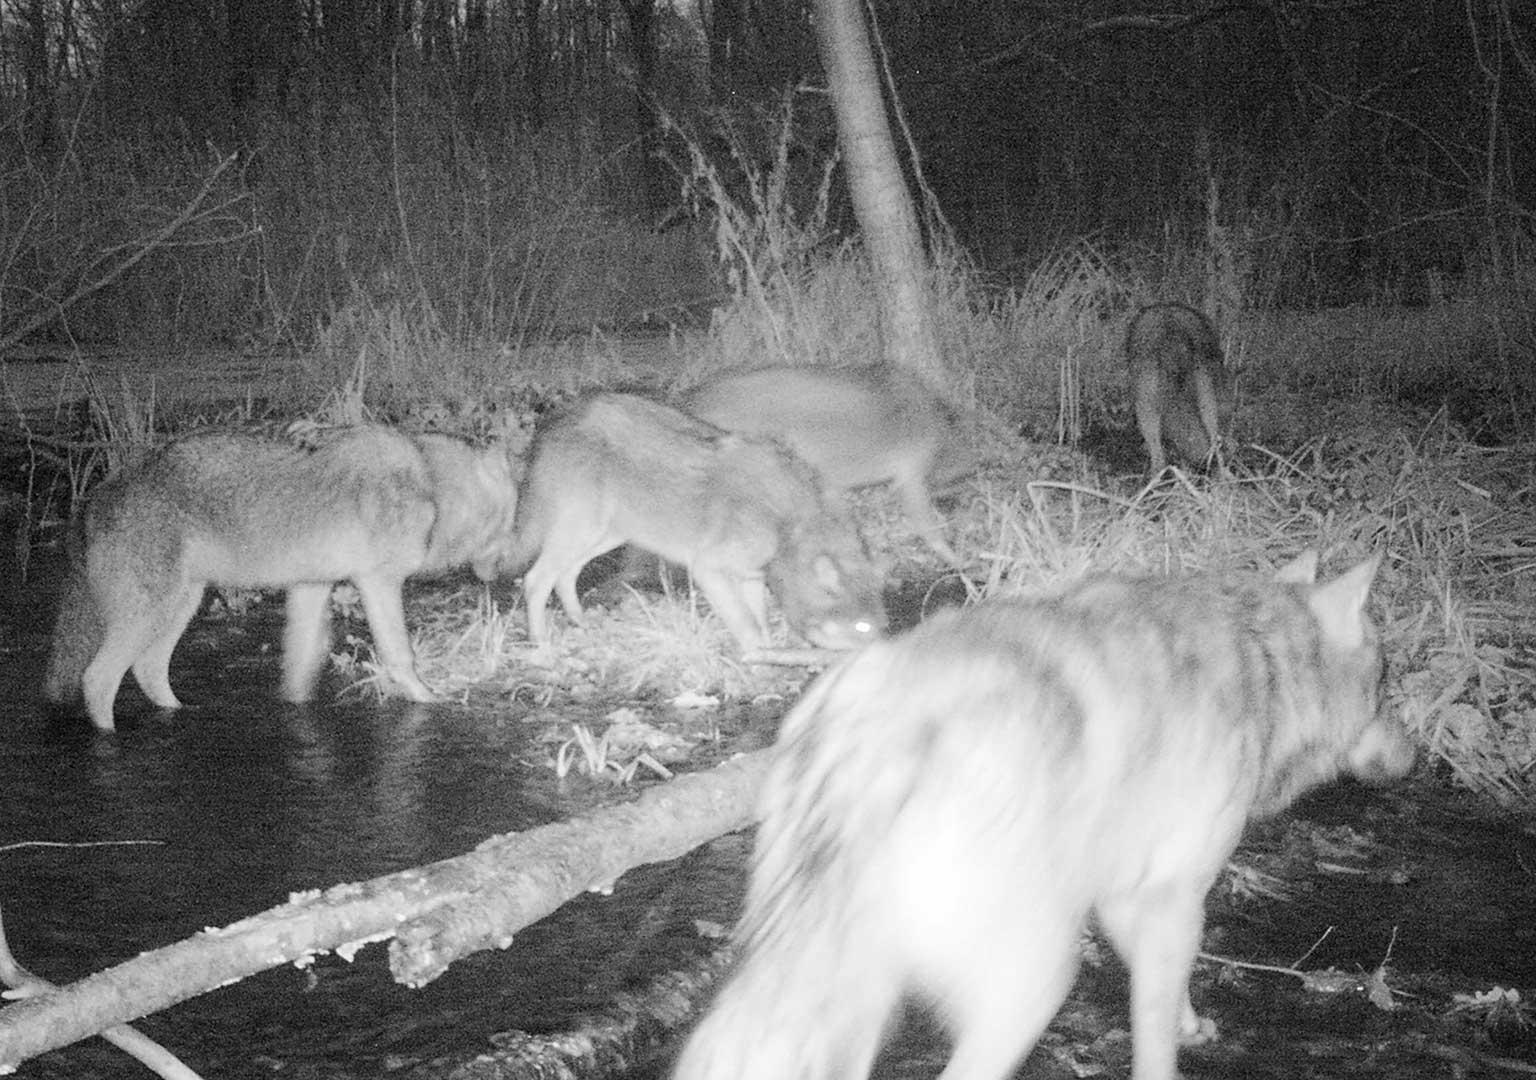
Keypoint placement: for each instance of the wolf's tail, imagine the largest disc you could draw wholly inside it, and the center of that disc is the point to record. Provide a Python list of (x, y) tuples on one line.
[(821, 971), (808, 1001), (77, 632), (522, 543)]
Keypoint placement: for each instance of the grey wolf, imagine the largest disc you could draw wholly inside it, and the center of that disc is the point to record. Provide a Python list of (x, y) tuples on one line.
[(947, 807), (856, 426), (369, 505), (742, 515), (1179, 381)]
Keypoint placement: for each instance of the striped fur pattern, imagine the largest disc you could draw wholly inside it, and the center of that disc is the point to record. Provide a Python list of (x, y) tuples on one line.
[(743, 515), (1179, 382), (947, 808), (369, 505)]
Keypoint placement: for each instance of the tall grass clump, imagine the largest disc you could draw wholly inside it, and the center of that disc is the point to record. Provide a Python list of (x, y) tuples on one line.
[(795, 290), (1455, 609)]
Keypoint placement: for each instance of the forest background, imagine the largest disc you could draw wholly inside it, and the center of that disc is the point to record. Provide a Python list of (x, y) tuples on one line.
[(196, 171), (1347, 186)]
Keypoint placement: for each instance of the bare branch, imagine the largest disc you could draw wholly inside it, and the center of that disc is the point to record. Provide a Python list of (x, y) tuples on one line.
[(24, 984), (436, 914)]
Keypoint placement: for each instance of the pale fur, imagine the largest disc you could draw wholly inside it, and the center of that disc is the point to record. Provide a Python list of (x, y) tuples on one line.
[(1178, 380), (856, 426), (947, 809), (744, 516), (368, 505)]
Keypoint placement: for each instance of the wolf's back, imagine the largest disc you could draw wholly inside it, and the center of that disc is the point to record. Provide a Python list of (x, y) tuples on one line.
[(857, 426)]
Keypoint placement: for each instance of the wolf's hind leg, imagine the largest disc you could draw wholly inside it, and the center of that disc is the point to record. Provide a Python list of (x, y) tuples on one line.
[(1156, 930), (574, 534), (102, 677), (1149, 417), (1001, 1009), (134, 629), (306, 638), (152, 668), (1210, 417)]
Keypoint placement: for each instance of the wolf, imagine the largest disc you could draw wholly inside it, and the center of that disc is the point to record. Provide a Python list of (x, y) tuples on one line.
[(856, 426), (369, 504), (741, 514), (947, 808), (1179, 381)]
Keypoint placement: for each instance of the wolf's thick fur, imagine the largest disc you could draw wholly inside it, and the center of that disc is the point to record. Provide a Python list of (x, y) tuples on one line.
[(1179, 381), (948, 807), (739, 513), (856, 426), (369, 504)]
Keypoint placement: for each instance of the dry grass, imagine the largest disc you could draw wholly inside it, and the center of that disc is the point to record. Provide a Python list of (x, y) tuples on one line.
[(1455, 597), (1344, 440)]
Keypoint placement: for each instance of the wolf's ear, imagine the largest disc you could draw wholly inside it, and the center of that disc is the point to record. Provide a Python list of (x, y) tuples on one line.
[(1302, 570), (1339, 605)]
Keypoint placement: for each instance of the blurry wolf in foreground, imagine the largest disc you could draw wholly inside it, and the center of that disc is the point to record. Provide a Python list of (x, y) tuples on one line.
[(742, 515), (856, 426), (368, 504), (1179, 381), (948, 807)]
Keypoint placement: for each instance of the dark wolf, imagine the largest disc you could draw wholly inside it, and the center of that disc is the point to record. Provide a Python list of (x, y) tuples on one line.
[(1178, 380), (742, 515), (368, 505), (856, 426), (947, 809)]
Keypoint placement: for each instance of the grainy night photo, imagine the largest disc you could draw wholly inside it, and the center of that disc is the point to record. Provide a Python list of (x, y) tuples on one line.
[(808, 540)]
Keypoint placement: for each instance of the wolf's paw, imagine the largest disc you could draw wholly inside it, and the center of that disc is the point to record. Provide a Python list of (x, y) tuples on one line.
[(1196, 1030)]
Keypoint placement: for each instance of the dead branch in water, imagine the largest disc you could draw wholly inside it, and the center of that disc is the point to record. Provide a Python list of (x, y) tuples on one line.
[(24, 984), (808, 658), (435, 914), (607, 1043)]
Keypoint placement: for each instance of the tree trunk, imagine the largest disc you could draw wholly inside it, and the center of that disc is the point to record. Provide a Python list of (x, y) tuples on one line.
[(654, 183), (436, 914), (880, 197), (38, 127)]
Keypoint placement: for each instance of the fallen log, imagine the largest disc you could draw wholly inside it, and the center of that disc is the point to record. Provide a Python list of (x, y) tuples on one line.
[(435, 914), (22, 983)]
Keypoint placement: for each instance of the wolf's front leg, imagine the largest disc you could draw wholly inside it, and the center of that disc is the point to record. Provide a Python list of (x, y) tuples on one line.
[(741, 604), (386, 618)]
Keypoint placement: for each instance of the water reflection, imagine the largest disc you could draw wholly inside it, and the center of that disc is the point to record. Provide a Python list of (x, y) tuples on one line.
[(247, 799)]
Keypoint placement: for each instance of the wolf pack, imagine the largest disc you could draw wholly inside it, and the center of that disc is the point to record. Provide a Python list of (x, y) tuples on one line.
[(947, 808)]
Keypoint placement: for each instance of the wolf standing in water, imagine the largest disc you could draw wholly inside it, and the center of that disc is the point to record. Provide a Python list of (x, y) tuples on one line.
[(369, 504), (743, 515), (948, 807), (1179, 381)]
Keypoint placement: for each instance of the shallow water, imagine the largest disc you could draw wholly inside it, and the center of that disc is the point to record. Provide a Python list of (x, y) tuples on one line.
[(243, 799), (247, 799)]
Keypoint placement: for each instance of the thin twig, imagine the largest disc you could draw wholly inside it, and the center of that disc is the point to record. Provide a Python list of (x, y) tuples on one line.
[(23, 983)]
